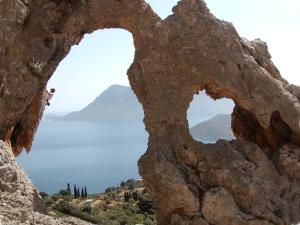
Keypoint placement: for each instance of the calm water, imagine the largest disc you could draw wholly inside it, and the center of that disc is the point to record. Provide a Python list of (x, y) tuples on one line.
[(97, 155)]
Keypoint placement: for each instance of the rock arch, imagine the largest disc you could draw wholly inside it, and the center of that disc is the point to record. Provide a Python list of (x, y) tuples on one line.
[(253, 180)]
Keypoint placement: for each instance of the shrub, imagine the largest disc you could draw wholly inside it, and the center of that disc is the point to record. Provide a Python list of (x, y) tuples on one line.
[(68, 198), (86, 208), (107, 201), (63, 206), (37, 66), (109, 189), (123, 184), (131, 186), (43, 194), (49, 202), (135, 195), (130, 183), (145, 205), (55, 197), (64, 192), (104, 206)]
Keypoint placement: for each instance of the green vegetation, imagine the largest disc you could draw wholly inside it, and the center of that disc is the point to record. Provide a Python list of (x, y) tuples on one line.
[(37, 66), (63, 192), (127, 204)]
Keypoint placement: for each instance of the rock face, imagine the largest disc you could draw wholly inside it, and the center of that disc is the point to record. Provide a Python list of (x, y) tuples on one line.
[(252, 180)]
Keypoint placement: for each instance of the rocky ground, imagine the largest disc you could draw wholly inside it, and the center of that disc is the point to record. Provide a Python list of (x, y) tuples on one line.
[(20, 203)]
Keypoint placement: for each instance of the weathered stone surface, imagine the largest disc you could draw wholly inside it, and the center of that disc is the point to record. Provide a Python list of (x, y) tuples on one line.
[(228, 213), (246, 127), (23, 132), (190, 50), (288, 160)]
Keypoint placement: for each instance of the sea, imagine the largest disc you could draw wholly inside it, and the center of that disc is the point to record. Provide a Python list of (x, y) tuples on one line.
[(92, 154)]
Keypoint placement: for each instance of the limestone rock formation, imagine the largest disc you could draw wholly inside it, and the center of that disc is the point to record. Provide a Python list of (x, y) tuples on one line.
[(252, 180)]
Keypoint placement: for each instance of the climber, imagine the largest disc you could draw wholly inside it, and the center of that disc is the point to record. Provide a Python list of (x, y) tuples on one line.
[(49, 95)]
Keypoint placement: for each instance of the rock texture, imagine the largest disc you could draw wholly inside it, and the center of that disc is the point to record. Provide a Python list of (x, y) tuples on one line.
[(253, 180)]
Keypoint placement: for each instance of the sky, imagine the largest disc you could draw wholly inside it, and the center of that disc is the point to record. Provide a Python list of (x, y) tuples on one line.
[(103, 57)]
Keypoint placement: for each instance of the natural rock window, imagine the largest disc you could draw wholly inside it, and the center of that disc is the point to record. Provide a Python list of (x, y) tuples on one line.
[(98, 142), (252, 180), (210, 120)]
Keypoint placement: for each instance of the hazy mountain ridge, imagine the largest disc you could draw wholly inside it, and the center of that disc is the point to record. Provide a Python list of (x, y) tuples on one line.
[(115, 103), (120, 103), (218, 127)]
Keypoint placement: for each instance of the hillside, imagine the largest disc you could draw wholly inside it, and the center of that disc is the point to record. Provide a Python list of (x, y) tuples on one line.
[(218, 127), (120, 103), (127, 203)]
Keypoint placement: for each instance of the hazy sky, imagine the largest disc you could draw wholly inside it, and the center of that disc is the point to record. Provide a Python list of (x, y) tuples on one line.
[(102, 58)]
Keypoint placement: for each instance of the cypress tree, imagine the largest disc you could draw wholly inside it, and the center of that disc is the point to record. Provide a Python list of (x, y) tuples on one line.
[(127, 196), (78, 192), (75, 191), (69, 189), (85, 192), (82, 193)]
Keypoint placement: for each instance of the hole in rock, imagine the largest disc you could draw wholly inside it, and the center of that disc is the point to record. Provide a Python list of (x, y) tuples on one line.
[(210, 120), (92, 134)]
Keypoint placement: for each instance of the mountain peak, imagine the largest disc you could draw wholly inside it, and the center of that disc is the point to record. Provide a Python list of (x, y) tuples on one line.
[(117, 86), (117, 102), (217, 127)]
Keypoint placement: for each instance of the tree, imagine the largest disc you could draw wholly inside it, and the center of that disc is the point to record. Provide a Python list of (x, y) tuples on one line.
[(82, 193), (131, 186), (135, 195), (85, 192), (69, 189), (78, 193), (123, 184), (63, 192), (43, 194), (75, 191), (127, 196)]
